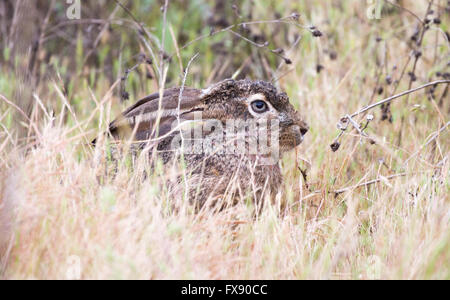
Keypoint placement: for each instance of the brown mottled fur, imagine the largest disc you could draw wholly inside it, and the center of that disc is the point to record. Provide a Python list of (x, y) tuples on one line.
[(215, 176)]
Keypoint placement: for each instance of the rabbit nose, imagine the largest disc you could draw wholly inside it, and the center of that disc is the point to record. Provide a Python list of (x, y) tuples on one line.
[(304, 130), (303, 127)]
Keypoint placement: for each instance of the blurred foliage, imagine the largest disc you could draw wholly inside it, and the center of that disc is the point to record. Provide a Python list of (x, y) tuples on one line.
[(93, 45), (42, 46)]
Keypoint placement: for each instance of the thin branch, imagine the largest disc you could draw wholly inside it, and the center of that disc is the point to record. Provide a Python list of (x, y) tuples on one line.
[(389, 99), (355, 125), (163, 39), (417, 54), (343, 190), (407, 10), (263, 46), (143, 31), (335, 145)]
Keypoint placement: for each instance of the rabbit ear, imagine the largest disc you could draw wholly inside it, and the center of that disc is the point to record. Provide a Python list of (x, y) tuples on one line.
[(141, 117)]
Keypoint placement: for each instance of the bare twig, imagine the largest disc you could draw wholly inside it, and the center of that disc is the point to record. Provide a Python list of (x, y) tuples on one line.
[(143, 31), (355, 125), (343, 190), (389, 99), (284, 20), (405, 9), (335, 144), (163, 38), (99, 36), (417, 54)]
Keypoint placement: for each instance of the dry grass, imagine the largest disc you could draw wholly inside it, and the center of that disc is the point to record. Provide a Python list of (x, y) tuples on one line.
[(62, 201)]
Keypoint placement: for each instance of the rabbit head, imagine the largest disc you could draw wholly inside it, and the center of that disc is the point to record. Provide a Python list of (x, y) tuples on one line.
[(227, 100), (259, 101)]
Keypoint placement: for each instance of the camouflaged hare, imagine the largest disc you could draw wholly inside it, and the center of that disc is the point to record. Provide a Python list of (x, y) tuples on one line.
[(231, 136)]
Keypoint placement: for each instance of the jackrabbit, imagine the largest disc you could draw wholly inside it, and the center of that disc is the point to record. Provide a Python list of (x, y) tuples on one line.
[(230, 135)]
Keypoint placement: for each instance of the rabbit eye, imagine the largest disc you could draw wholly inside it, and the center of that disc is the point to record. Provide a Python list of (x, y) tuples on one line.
[(259, 106)]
